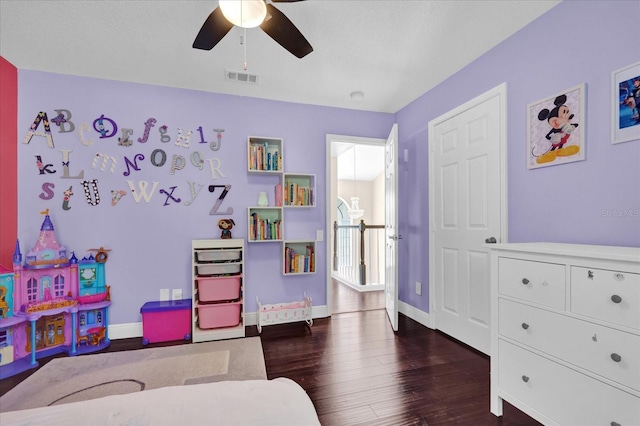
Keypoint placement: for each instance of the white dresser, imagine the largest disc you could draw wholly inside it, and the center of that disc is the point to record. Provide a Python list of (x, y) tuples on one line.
[(565, 332)]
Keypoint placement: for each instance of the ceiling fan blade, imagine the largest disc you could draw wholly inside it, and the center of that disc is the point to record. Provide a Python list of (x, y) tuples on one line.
[(213, 30), (282, 30)]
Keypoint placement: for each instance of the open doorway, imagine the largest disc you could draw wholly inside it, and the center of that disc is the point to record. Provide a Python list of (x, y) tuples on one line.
[(356, 181)]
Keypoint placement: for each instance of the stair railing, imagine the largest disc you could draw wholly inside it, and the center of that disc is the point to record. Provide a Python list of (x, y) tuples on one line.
[(351, 242)]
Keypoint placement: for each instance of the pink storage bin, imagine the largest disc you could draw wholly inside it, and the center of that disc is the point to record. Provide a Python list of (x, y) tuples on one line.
[(218, 289), (166, 321), (219, 315)]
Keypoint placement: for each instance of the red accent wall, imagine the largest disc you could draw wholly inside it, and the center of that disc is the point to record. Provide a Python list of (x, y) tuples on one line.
[(8, 161)]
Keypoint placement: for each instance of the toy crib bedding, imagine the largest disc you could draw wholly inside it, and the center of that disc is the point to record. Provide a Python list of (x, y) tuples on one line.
[(279, 402)]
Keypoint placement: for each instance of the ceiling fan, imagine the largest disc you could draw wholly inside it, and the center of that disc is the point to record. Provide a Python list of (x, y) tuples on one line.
[(248, 14)]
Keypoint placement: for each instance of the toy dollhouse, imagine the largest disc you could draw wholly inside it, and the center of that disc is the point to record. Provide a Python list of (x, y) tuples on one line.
[(51, 303)]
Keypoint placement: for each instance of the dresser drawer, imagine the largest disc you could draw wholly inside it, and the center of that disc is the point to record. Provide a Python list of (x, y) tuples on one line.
[(564, 395), (602, 350), (536, 282), (611, 296)]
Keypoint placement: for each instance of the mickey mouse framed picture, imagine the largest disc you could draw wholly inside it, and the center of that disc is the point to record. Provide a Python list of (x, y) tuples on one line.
[(556, 129), (625, 104)]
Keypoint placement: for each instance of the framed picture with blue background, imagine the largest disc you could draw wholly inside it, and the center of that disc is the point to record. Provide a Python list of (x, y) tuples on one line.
[(625, 104)]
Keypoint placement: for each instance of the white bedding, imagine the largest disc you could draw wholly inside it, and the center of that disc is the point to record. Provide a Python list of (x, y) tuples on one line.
[(279, 402)]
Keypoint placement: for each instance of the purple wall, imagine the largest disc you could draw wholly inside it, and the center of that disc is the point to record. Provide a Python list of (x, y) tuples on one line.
[(151, 242), (582, 202), (576, 42)]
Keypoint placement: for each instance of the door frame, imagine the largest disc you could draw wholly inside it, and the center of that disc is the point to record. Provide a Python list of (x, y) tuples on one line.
[(329, 196), (501, 92)]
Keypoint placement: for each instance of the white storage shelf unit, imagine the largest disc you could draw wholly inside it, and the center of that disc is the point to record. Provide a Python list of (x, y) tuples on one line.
[(217, 289), (264, 224), (299, 257), (294, 190), (264, 155), (298, 190), (565, 334)]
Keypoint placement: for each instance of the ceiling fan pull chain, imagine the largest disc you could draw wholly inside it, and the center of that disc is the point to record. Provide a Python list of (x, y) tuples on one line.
[(244, 44), (243, 38)]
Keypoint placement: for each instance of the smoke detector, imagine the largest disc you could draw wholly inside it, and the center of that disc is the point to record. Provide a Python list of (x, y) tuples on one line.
[(241, 76), (357, 95)]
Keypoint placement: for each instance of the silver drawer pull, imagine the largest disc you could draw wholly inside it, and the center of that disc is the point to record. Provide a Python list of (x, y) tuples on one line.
[(525, 379), (616, 357), (616, 299), (525, 325), (525, 281), (615, 424)]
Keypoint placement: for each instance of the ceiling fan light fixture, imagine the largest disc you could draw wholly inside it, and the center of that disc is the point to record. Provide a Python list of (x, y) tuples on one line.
[(244, 13)]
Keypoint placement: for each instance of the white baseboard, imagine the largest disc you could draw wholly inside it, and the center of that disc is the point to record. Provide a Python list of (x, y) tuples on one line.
[(415, 314), (126, 331)]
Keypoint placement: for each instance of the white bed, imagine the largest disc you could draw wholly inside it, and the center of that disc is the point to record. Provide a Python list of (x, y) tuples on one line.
[(279, 402)]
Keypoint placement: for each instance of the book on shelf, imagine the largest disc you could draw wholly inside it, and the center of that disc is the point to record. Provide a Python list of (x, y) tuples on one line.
[(296, 195), (265, 163), (298, 263), (287, 257), (261, 229), (312, 257), (263, 157), (278, 195)]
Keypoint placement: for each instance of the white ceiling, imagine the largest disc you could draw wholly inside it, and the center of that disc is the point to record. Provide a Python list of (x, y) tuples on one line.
[(391, 50), (358, 161)]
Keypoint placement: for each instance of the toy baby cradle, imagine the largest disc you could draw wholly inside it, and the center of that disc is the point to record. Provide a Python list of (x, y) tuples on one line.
[(281, 313)]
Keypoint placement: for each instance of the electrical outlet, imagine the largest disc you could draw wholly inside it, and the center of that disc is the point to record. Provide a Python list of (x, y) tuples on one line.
[(319, 235), (418, 288), (176, 294), (164, 294)]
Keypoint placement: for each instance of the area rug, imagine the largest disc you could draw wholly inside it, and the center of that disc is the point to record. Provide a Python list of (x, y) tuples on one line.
[(71, 379)]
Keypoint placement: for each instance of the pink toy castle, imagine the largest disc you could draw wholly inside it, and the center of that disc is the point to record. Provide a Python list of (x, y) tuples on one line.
[(43, 311)]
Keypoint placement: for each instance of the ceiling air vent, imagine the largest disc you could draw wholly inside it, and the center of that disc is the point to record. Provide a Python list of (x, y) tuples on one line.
[(241, 76)]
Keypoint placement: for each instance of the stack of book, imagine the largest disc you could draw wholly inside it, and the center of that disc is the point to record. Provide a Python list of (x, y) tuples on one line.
[(296, 195), (264, 229), (298, 263), (264, 157)]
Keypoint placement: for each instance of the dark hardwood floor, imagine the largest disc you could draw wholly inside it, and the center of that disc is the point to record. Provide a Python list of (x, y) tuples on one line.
[(357, 371)]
